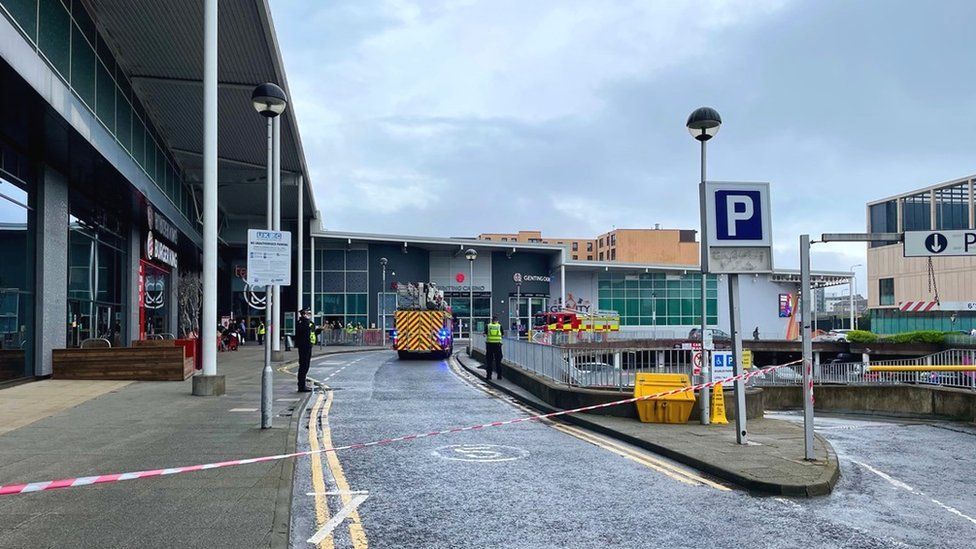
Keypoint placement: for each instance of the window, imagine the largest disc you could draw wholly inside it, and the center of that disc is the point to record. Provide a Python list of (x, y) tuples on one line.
[(601, 256), (916, 213), (504, 239), (952, 207), (575, 246), (613, 239), (658, 299), (884, 219), (575, 256), (613, 254), (601, 241), (487, 238), (589, 257), (589, 246), (886, 291)]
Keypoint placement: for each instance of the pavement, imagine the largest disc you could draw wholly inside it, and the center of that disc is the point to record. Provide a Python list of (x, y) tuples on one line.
[(79, 428), (771, 462), (542, 484)]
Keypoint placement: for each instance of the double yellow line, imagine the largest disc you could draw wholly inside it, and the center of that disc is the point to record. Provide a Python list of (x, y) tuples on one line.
[(677, 473), (320, 411)]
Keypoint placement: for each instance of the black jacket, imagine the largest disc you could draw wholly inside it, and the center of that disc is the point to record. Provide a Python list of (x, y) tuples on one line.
[(303, 332)]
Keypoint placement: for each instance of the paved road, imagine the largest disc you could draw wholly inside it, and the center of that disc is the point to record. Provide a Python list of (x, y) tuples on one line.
[(551, 485)]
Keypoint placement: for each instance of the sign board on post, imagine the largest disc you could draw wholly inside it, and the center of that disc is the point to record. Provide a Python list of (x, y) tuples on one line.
[(722, 365), (268, 258), (740, 237), (940, 243)]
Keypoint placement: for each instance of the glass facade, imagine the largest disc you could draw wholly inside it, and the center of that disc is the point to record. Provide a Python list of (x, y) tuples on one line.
[(16, 281), (893, 321), (341, 292), (97, 264), (884, 219), (658, 299), (64, 34), (952, 207), (917, 213), (460, 304)]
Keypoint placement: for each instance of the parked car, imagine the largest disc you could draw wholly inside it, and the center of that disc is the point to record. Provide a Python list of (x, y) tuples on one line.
[(833, 335), (783, 374), (593, 374), (695, 334)]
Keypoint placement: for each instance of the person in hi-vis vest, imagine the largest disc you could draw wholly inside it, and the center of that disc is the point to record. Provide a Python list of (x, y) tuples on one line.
[(493, 348)]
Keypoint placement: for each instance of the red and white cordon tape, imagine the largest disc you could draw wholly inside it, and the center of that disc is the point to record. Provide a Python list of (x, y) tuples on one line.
[(12, 489)]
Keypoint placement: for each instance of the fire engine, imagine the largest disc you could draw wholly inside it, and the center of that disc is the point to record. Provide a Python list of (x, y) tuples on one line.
[(423, 323), (569, 320)]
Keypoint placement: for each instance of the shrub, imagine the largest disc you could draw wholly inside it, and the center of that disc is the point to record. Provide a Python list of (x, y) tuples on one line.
[(922, 336), (861, 336)]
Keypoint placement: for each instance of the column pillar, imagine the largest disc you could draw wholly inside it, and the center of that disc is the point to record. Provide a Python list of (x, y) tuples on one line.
[(51, 268), (132, 299)]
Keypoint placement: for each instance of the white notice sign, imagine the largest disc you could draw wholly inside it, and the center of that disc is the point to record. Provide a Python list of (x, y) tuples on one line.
[(939, 243), (268, 258)]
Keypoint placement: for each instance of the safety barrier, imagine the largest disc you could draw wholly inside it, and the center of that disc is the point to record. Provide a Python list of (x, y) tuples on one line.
[(873, 373), (342, 336)]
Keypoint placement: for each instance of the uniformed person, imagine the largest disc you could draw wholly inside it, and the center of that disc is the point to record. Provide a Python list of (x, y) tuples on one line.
[(261, 331), (493, 348), (304, 339)]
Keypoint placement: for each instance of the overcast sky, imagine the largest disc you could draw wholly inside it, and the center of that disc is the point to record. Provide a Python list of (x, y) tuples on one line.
[(452, 118)]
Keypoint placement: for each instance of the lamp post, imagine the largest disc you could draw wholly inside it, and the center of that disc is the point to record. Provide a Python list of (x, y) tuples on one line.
[(470, 254), (383, 262), (703, 124), (270, 101), (853, 287), (518, 308)]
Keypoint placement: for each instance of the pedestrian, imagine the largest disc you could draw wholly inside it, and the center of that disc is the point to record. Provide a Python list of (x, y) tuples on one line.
[(242, 328), (755, 333), (493, 348), (304, 339), (261, 331)]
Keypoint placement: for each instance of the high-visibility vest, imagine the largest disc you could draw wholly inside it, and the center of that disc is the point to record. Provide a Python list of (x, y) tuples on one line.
[(494, 333), (261, 329), (311, 332)]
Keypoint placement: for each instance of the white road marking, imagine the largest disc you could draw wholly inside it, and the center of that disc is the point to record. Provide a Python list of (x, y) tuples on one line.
[(337, 519), (243, 410), (287, 400), (899, 484), (482, 453)]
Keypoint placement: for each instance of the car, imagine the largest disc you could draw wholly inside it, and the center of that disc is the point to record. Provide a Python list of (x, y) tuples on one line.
[(783, 374), (695, 334), (590, 374), (833, 335)]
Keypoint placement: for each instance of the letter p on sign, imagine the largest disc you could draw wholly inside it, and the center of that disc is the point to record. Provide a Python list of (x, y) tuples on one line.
[(738, 215)]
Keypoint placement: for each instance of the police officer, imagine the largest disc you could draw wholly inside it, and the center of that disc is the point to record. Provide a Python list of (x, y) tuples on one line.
[(304, 339), (493, 348), (261, 331)]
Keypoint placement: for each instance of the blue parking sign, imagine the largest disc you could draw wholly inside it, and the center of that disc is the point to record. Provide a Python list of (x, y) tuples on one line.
[(738, 214)]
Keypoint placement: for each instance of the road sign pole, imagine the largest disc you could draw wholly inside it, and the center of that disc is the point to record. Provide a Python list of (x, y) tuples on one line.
[(267, 375), (740, 386), (807, 347), (706, 360)]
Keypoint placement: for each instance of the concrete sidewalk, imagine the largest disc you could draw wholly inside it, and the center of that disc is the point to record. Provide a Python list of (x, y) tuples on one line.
[(148, 425), (771, 463)]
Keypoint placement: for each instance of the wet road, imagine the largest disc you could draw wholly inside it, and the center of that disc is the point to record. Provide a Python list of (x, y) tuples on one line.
[(551, 485)]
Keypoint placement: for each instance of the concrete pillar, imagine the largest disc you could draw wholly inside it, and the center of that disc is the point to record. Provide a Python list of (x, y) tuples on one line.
[(51, 303), (132, 299), (174, 303)]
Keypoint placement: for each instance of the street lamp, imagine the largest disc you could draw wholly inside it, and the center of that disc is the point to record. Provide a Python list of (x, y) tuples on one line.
[(269, 101), (703, 124), (471, 254), (383, 262), (853, 287)]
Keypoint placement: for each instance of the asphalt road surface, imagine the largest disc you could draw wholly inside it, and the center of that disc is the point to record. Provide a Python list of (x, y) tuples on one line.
[(903, 484)]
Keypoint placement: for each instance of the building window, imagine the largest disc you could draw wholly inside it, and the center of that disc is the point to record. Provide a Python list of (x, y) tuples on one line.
[(504, 239), (16, 273), (916, 212), (658, 299), (601, 241), (884, 219), (487, 238), (575, 246), (340, 287), (886, 291), (97, 267), (589, 246), (601, 256), (952, 207), (613, 254), (575, 256), (613, 239), (589, 257)]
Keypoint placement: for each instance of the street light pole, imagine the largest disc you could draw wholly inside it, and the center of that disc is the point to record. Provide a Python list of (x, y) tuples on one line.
[(471, 254), (383, 262), (852, 285), (703, 124), (269, 100), (518, 310), (808, 451)]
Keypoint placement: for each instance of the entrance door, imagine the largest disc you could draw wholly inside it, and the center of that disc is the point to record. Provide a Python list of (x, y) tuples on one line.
[(521, 310)]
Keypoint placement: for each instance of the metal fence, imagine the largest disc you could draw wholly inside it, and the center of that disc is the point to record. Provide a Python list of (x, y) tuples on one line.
[(366, 338), (607, 369), (850, 373)]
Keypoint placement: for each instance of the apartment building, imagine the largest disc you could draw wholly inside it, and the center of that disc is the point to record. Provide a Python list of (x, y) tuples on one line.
[(653, 246)]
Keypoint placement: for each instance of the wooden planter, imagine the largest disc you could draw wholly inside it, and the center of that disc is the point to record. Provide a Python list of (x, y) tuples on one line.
[(141, 363)]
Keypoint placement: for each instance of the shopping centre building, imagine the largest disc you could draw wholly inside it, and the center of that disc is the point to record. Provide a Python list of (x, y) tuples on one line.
[(101, 140), (905, 293), (516, 280)]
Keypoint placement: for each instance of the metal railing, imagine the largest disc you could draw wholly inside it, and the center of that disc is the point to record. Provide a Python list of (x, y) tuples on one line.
[(607, 369), (341, 336), (854, 373)]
